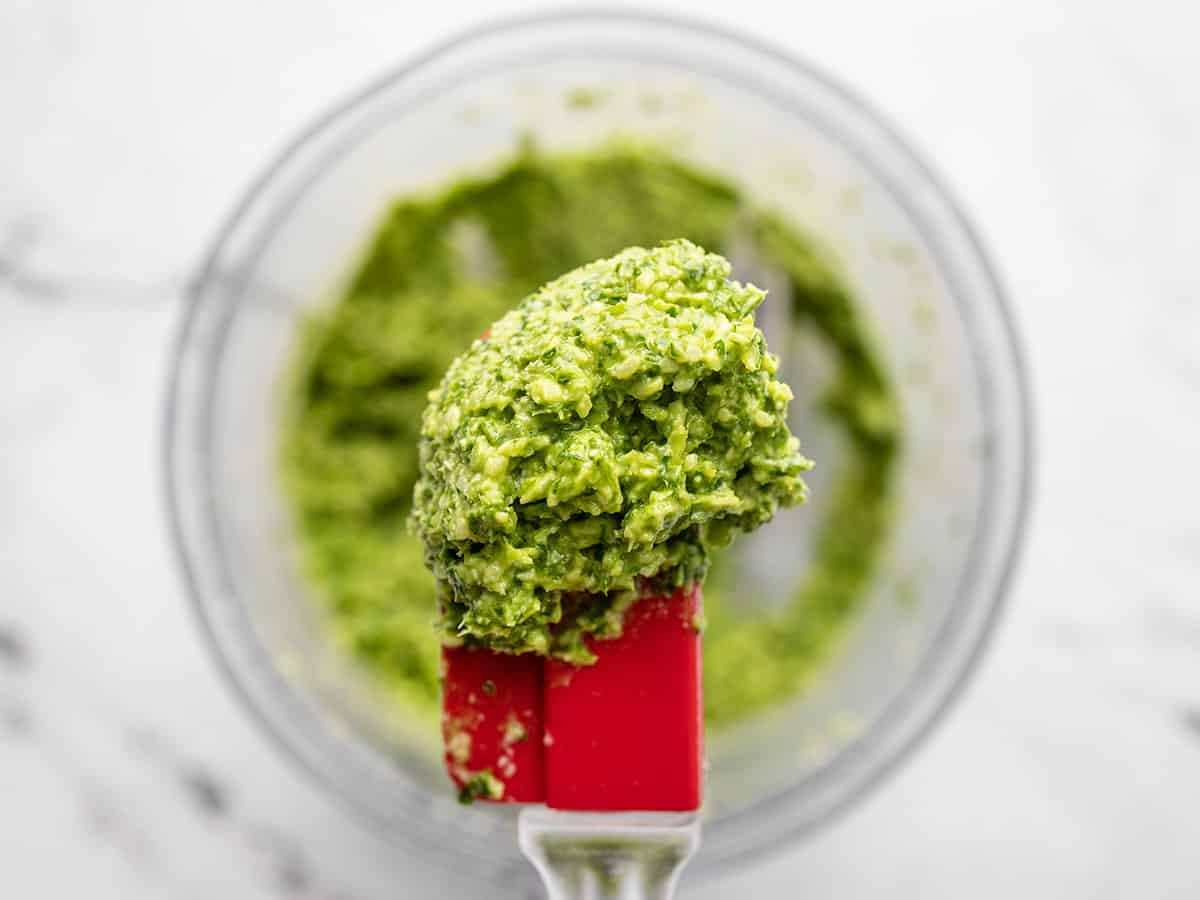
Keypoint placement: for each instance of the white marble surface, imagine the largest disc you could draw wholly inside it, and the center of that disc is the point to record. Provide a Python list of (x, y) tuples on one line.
[(1072, 766)]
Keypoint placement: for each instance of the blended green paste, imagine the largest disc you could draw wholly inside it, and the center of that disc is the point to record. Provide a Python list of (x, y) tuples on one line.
[(439, 270), (620, 423)]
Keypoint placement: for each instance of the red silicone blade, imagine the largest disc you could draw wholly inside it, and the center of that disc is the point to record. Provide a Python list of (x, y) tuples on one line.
[(492, 720), (627, 733)]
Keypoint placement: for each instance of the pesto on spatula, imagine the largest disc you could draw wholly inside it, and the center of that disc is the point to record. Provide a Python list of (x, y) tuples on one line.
[(619, 423)]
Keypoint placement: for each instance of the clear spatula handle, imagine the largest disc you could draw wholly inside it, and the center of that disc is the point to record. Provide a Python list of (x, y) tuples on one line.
[(595, 856)]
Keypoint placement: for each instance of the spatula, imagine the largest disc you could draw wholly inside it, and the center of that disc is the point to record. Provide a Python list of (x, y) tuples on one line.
[(613, 749)]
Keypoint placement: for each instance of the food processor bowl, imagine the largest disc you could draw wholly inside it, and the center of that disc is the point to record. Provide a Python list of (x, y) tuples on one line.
[(793, 141)]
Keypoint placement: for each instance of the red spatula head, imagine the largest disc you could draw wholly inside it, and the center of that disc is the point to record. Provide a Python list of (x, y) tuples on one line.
[(627, 732)]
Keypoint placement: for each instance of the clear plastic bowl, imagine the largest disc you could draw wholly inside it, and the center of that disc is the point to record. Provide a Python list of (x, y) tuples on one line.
[(794, 141)]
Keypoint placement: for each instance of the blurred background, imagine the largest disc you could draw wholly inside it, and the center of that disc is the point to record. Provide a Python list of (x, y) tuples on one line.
[(1070, 131)]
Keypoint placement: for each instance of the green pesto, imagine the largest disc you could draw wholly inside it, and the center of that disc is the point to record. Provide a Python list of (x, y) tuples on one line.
[(481, 786), (620, 423), (441, 268)]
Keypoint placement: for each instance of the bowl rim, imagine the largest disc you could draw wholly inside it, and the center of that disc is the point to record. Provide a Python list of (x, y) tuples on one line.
[(1012, 544)]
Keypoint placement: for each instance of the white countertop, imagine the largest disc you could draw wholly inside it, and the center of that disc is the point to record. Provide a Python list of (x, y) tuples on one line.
[(1072, 766)]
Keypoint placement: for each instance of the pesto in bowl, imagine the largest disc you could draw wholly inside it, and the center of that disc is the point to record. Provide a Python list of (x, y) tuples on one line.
[(439, 270)]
